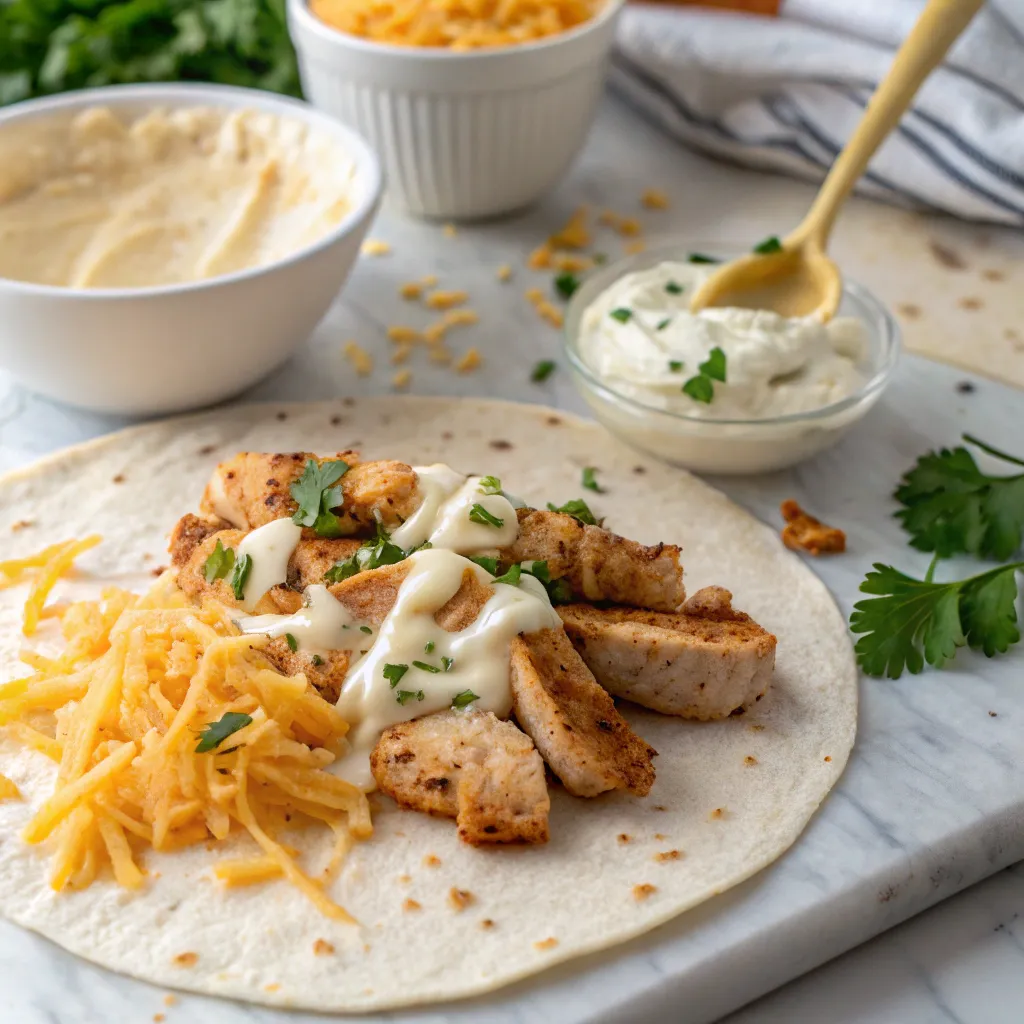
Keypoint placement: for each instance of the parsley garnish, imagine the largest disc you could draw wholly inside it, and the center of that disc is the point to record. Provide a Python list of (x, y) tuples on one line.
[(317, 660), (478, 514), (578, 509), (372, 554), (464, 699), (560, 591), (428, 647), (714, 366), (913, 621), (701, 388), (511, 577), (422, 665), (291, 641), (768, 246), (240, 576), (696, 257), (537, 569), (590, 480), (486, 562), (316, 495), (622, 314), (662, 324), (365, 629), (673, 288), (951, 507), (393, 673), (214, 734), (447, 662), (543, 370), (566, 284), (220, 562), (675, 365), (489, 485), (404, 696)]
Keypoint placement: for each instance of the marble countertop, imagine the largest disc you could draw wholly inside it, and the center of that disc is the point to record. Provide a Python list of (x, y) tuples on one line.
[(962, 961)]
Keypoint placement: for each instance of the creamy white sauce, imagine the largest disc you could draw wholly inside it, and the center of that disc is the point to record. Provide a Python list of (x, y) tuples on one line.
[(324, 624), (443, 517), (270, 548), (774, 364), (479, 653)]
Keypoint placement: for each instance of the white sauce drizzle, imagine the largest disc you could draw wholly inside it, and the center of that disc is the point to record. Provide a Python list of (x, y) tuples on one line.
[(270, 548), (480, 653), (324, 624)]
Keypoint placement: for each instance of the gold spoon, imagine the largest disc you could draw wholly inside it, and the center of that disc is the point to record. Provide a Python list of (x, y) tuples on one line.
[(800, 279)]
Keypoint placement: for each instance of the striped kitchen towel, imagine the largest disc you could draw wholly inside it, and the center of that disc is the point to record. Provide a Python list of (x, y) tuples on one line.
[(784, 93)]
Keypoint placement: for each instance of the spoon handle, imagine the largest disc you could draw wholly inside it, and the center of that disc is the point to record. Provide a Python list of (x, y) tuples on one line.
[(940, 24)]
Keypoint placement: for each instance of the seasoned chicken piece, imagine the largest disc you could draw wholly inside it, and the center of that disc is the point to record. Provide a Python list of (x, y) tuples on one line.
[(470, 766), (572, 721), (803, 532), (706, 662), (600, 565), (254, 488)]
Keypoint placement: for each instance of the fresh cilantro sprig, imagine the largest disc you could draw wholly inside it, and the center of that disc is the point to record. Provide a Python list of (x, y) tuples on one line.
[(578, 509), (464, 699), (240, 576), (478, 514), (701, 387), (220, 562), (316, 494), (543, 370), (910, 621), (590, 479), (371, 554), (951, 507), (214, 734)]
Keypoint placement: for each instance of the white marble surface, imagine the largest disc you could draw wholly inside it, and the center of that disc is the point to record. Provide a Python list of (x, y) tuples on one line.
[(933, 800)]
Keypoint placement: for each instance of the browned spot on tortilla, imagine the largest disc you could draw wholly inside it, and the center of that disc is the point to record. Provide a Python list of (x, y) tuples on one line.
[(909, 310), (992, 714), (282, 416), (993, 275), (625, 837), (336, 421), (660, 835), (411, 905), (548, 943), (660, 807), (207, 449), (272, 987), (405, 879), (186, 960), (323, 948), (666, 855), (460, 899), (639, 470), (641, 892), (757, 728), (717, 814), (21, 524), (158, 570), (970, 302), (119, 479), (430, 861), (486, 924), (500, 445), (945, 256), (828, 758), (446, 435), (750, 759), (348, 401), (554, 421)]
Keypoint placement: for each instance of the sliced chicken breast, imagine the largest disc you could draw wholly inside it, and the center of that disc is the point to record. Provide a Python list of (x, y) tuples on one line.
[(707, 661), (470, 766), (598, 564), (573, 721)]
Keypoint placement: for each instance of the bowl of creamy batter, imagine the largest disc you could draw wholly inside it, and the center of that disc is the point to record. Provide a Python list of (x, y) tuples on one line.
[(165, 246), (727, 390)]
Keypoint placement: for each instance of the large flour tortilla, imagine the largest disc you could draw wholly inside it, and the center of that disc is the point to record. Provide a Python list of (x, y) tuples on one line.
[(257, 943)]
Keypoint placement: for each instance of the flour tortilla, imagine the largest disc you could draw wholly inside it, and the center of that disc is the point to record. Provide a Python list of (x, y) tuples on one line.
[(256, 943)]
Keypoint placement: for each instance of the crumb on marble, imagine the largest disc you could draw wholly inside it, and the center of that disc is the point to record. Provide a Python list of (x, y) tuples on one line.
[(992, 714), (548, 943), (965, 387), (186, 960), (667, 855), (624, 837), (643, 891), (411, 905), (750, 760), (375, 247)]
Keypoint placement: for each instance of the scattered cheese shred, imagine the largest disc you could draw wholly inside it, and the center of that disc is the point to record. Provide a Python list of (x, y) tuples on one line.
[(627, 226), (429, 281), (120, 710), (575, 234), (461, 317), (540, 258), (375, 247), (504, 272), (446, 300), (449, 231), (571, 264), (654, 199), (440, 354), (470, 361), (411, 290), (546, 310), (401, 354), (360, 359), (635, 247), (434, 334), (402, 379), (404, 335)]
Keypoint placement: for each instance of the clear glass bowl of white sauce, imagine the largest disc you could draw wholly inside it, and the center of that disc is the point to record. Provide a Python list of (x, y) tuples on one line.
[(707, 444)]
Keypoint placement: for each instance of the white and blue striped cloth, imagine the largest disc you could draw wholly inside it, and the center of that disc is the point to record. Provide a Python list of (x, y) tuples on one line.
[(784, 93)]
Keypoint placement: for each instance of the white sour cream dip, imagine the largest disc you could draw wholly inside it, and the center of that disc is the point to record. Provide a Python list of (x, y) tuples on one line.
[(640, 337)]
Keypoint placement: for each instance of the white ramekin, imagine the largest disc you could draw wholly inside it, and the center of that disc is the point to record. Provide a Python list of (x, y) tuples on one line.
[(144, 351), (463, 134)]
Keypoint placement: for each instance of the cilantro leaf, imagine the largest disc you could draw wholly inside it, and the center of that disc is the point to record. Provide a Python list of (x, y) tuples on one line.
[(464, 699), (538, 569), (447, 662), (214, 734), (662, 324), (240, 576), (913, 621), (293, 644), (486, 562), (512, 577), (404, 696), (543, 370), (768, 246), (489, 485), (590, 479), (699, 388), (578, 509), (424, 667), (371, 554), (622, 314), (478, 514), (566, 284), (714, 366), (393, 674), (316, 495), (560, 591), (428, 647), (220, 562), (673, 288), (696, 257)]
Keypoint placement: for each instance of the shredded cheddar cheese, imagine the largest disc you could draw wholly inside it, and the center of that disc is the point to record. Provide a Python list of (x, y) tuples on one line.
[(401, 380), (461, 317), (470, 360), (361, 360), (635, 247), (629, 227), (575, 234), (446, 300), (404, 335), (654, 199), (401, 354), (375, 247), (504, 273), (120, 712), (411, 290)]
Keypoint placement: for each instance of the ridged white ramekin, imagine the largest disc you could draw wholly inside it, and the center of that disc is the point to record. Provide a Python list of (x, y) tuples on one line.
[(461, 134)]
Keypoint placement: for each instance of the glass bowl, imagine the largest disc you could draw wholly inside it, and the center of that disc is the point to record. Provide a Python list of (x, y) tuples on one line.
[(729, 446)]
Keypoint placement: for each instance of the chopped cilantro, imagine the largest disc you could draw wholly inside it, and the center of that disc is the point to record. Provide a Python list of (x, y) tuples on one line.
[(538, 569), (428, 647), (365, 629), (220, 563), (543, 370), (478, 514), (393, 673), (676, 365), (700, 388), (291, 641), (662, 324), (486, 562), (316, 495), (464, 699), (490, 485), (599, 258), (768, 246), (240, 576), (423, 666), (214, 734), (404, 696), (673, 288), (714, 366), (590, 479), (317, 660), (622, 314), (578, 509), (566, 284), (511, 577), (560, 591), (447, 662), (696, 257), (372, 554)]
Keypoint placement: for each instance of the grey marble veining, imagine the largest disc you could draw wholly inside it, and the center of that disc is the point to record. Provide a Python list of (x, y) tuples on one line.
[(933, 799)]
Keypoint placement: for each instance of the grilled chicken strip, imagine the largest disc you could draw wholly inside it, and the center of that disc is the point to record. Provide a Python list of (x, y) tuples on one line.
[(573, 721), (706, 662), (254, 488), (600, 565), (470, 766)]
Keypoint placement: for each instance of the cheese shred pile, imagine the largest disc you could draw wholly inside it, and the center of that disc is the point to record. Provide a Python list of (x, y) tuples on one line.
[(170, 729)]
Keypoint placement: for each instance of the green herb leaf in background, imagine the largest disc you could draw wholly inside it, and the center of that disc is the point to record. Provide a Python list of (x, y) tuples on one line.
[(214, 734)]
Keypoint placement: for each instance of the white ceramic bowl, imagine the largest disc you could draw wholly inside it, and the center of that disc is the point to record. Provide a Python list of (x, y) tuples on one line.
[(463, 134), (143, 351), (724, 446)]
